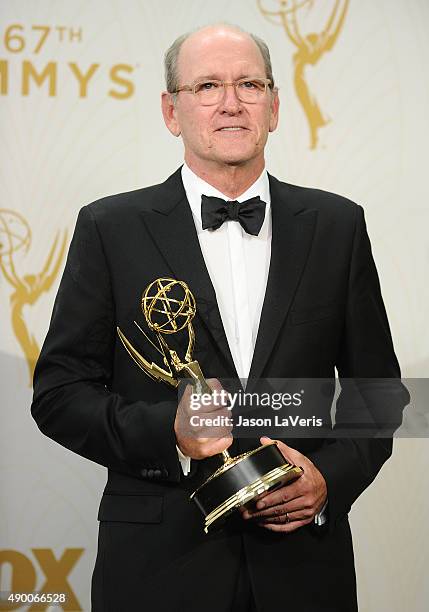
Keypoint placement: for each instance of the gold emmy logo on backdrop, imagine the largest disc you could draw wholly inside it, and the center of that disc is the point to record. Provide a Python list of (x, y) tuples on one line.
[(15, 235), (309, 49)]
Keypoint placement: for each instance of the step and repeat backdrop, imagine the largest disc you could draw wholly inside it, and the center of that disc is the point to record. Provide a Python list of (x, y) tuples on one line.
[(80, 84)]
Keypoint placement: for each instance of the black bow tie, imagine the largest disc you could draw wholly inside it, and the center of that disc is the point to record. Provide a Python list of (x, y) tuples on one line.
[(250, 214)]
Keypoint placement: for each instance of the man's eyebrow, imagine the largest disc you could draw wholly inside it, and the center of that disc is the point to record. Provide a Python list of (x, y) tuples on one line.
[(212, 77), (216, 77)]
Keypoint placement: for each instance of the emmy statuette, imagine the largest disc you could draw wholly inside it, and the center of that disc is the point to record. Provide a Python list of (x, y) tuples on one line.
[(169, 307)]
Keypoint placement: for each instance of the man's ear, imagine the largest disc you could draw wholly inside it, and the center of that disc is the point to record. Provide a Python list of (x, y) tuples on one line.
[(169, 113), (274, 111)]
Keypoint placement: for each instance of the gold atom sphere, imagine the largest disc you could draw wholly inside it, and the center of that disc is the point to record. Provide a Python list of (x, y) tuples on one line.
[(168, 305)]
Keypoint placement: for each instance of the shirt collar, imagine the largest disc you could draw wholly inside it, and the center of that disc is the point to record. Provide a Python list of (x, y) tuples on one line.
[(195, 187)]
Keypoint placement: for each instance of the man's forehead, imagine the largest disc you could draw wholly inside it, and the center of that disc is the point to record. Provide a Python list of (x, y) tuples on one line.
[(205, 51)]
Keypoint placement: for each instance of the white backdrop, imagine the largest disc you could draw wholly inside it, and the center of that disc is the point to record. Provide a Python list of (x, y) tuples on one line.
[(90, 125)]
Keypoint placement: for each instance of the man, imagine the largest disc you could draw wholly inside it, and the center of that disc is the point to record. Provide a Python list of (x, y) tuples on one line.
[(290, 291)]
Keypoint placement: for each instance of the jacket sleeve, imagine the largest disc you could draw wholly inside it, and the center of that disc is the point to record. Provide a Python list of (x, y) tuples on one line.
[(372, 396), (72, 403)]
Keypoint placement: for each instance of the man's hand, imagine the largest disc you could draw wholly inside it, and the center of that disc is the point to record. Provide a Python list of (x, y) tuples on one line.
[(295, 504), (196, 435)]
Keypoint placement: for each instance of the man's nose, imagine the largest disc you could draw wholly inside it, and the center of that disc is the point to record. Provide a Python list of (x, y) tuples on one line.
[(230, 102)]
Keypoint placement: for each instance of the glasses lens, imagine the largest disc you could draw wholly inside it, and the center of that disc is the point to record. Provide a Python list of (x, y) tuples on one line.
[(251, 91), (209, 92)]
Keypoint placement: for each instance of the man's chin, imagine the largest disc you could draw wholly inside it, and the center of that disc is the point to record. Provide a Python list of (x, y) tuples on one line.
[(230, 158)]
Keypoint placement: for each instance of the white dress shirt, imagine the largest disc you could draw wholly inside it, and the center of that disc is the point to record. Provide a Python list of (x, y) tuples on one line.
[(238, 265)]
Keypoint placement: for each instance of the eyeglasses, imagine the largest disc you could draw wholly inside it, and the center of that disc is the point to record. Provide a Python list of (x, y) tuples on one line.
[(211, 92)]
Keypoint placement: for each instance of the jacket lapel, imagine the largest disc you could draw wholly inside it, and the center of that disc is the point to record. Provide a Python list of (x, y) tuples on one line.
[(171, 225), (292, 233)]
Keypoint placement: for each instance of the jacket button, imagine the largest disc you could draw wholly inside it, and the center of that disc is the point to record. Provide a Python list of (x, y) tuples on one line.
[(144, 472), (157, 474), (150, 473), (164, 473)]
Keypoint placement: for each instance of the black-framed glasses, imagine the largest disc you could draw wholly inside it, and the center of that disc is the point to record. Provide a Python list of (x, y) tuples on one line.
[(212, 91)]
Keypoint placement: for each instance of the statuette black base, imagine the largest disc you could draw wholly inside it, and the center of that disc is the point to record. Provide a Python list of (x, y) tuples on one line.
[(240, 481)]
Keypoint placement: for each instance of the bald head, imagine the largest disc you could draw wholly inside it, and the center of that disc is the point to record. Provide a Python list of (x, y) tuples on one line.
[(188, 45)]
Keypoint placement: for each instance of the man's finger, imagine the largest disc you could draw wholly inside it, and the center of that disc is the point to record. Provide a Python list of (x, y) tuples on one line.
[(285, 517), (282, 495), (218, 446), (298, 504)]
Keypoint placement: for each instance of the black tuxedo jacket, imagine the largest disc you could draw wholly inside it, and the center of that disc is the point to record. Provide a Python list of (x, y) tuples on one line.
[(323, 309)]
